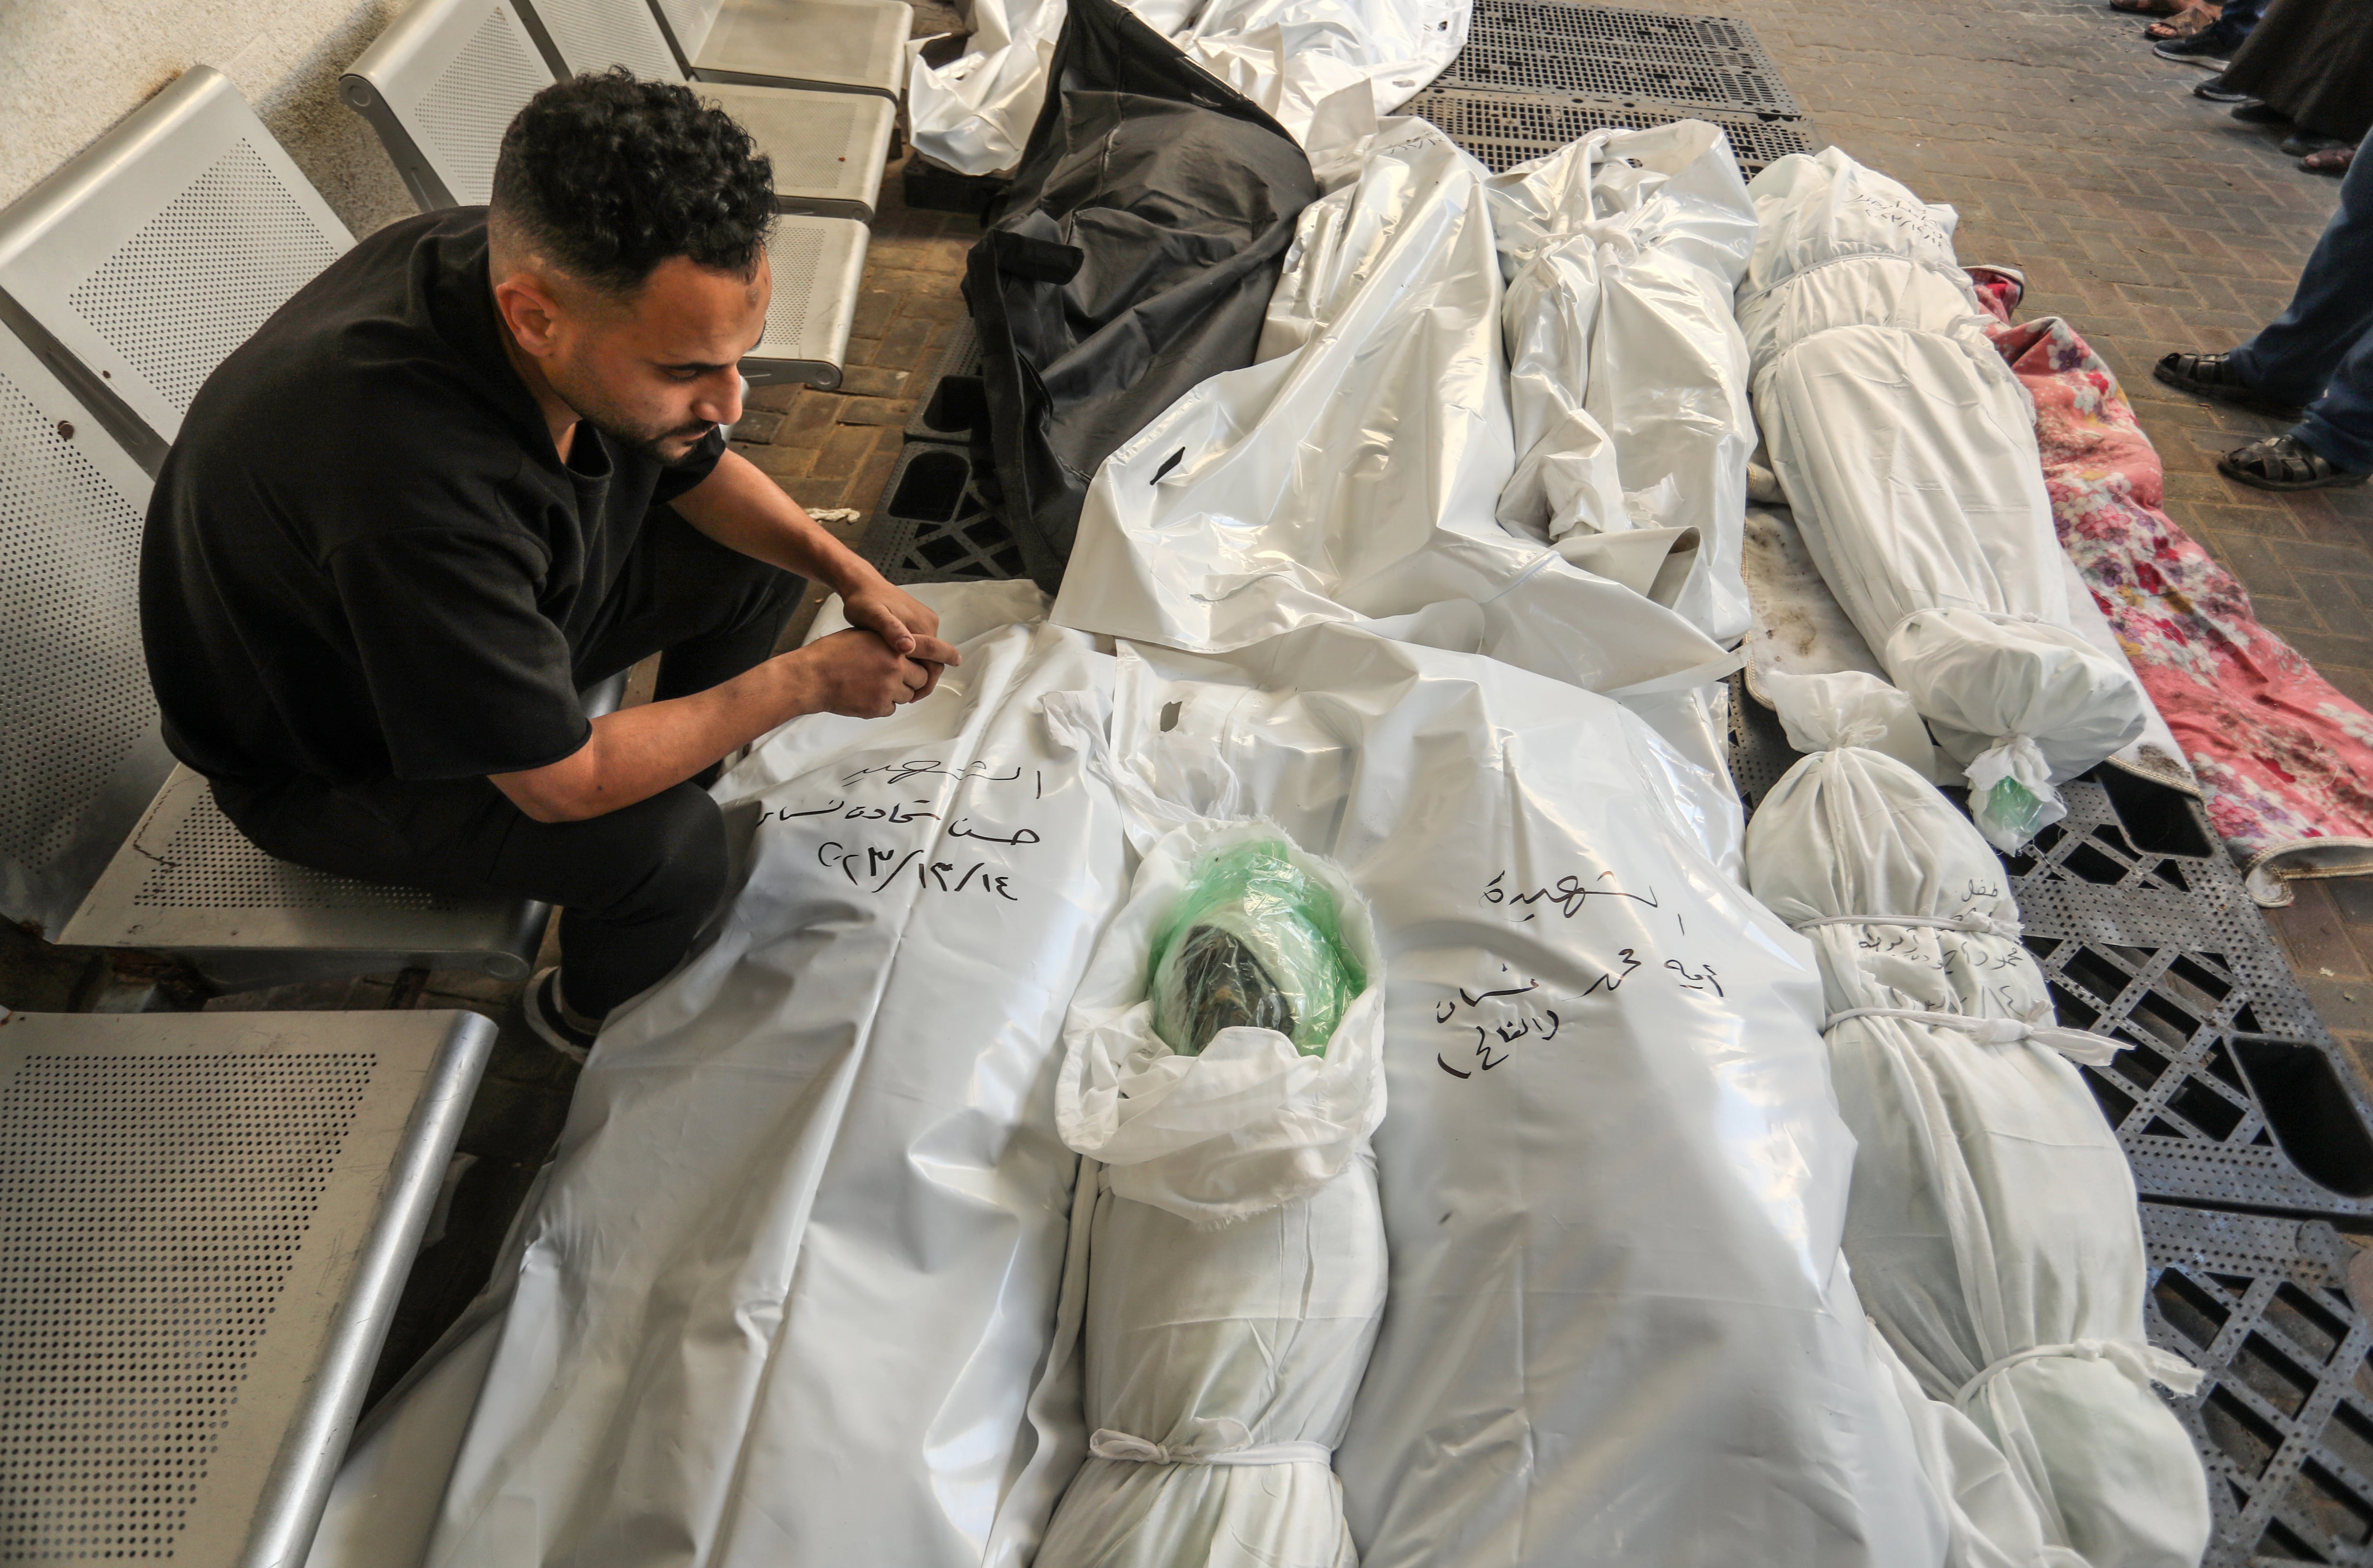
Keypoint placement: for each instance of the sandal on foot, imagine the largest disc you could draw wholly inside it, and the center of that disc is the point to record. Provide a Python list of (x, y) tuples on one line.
[(2213, 376), (2329, 161), (2284, 462), (2185, 23)]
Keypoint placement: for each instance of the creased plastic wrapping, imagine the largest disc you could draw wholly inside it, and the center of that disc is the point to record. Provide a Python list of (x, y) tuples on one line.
[(1249, 1122), (1322, 65), (973, 114), (1906, 449), (1234, 1263), (1628, 377), (1992, 1227), (1324, 69), (1613, 1175), (796, 1272), (1355, 470)]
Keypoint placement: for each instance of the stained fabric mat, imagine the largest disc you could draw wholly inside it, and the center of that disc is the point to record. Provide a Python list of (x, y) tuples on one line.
[(1506, 129), (2286, 756)]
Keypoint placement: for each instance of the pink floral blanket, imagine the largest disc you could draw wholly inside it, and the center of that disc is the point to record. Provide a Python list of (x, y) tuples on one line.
[(2285, 761)]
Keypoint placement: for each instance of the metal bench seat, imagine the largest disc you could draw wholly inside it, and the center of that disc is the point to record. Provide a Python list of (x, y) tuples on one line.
[(136, 267), (205, 1221), (828, 148), (190, 884), (837, 45), (129, 273), (441, 85), (818, 264)]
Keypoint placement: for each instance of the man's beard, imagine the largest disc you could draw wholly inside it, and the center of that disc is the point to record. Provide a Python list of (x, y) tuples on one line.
[(597, 411), (653, 446)]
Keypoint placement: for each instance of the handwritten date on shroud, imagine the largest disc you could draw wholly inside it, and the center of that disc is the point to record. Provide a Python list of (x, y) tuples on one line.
[(874, 870)]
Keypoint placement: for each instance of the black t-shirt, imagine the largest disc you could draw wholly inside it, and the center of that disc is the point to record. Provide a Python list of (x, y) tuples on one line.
[(364, 558)]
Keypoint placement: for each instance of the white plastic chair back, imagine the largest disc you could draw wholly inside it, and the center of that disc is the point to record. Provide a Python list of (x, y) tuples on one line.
[(441, 87), (162, 247)]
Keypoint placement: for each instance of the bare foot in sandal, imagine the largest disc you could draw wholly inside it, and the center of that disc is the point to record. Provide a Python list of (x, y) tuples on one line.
[(2329, 160), (2184, 23)]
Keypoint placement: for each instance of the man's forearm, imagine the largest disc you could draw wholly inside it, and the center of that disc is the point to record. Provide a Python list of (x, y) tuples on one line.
[(637, 752), (742, 510)]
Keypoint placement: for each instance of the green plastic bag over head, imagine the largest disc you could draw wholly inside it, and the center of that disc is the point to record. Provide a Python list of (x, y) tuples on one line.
[(1256, 942)]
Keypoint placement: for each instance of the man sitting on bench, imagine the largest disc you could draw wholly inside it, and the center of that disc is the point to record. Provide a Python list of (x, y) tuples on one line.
[(472, 468)]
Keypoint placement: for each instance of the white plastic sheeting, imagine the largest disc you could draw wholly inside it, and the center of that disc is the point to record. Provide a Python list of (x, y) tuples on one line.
[(1249, 1122), (1613, 1175), (796, 1270), (1354, 471), (1628, 376), (1293, 56), (1993, 1226), (1324, 69), (1235, 1265), (975, 112), (1906, 449)]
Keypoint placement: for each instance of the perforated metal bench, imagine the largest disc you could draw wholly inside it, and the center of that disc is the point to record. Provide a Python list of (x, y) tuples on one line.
[(443, 75), (127, 277), (440, 86), (205, 1221), (837, 45), (828, 148)]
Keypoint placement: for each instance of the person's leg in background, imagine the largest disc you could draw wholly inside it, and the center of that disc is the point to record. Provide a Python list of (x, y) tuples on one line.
[(2319, 353), (2292, 362)]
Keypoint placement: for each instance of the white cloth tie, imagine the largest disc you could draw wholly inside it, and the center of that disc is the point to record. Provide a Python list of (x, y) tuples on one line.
[(1974, 923), (2145, 1365), (1109, 1445), (2076, 1044)]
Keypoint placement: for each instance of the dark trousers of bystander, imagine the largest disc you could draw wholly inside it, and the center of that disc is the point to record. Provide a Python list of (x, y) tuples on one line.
[(2320, 351), (636, 885)]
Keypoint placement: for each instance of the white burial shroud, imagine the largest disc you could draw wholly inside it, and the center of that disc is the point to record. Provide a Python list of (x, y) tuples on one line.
[(1906, 449), (1324, 69), (796, 1272), (1355, 471), (1235, 1260), (1992, 1227), (1628, 378), (1613, 1174)]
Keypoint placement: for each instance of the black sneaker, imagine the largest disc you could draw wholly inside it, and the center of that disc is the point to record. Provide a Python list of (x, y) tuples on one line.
[(541, 1003), (2213, 376), (2253, 112), (2212, 47), (2284, 462), (2215, 90)]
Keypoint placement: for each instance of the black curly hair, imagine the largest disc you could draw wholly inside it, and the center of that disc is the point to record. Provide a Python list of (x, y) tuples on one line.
[(607, 177)]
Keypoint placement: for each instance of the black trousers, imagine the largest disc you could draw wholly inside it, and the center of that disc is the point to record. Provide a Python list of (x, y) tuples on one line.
[(634, 886)]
